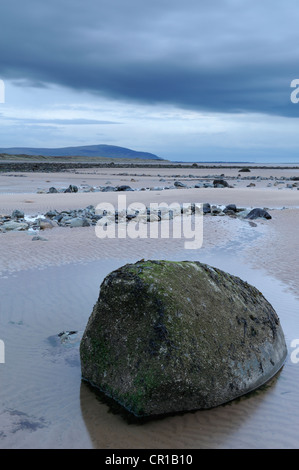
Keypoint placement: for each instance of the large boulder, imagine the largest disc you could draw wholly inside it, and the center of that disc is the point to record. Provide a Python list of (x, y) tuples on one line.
[(168, 336)]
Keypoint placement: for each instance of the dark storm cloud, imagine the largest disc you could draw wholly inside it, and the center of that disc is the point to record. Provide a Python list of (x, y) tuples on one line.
[(216, 55)]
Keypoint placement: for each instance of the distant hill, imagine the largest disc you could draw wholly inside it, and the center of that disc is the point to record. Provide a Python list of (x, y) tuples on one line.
[(110, 151)]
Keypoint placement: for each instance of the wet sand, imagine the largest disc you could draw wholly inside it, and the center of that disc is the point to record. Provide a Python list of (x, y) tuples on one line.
[(49, 287)]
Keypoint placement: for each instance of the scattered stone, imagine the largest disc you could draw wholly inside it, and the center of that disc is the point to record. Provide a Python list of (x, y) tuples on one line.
[(18, 214), (46, 224), (52, 190), (168, 337), (215, 210), (179, 184), (58, 217), (78, 222), (51, 214), (220, 182), (243, 214), (71, 189), (66, 335), (108, 189), (244, 170), (88, 216), (206, 207), (124, 187), (230, 208), (38, 237), (258, 213), (68, 340), (14, 226)]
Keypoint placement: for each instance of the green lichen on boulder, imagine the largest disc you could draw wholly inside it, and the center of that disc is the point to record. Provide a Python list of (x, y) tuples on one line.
[(169, 336)]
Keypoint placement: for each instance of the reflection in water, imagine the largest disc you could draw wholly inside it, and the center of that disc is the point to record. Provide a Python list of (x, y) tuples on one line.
[(218, 427)]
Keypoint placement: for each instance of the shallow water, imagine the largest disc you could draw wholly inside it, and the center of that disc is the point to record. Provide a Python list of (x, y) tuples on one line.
[(44, 404)]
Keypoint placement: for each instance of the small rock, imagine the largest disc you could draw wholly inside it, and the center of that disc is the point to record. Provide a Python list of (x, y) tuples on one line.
[(14, 226), (108, 189), (179, 184), (58, 217), (46, 224), (243, 213), (258, 213), (124, 187), (52, 190), (18, 214), (220, 182), (51, 214), (215, 210), (78, 222), (206, 208), (71, 189), (230, 207)]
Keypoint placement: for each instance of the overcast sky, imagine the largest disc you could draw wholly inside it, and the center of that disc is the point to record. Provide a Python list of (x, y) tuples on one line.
[(194, 81)]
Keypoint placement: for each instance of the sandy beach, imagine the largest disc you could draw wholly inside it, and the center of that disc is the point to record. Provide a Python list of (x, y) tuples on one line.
[(82, 245), (51, 285)]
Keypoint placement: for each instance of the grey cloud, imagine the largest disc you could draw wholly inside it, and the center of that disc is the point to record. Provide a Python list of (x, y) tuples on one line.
[(24, 83), (221, 55), (59, 122)]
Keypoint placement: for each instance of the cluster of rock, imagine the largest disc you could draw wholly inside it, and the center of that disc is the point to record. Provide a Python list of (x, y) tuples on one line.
[(18, 221), (87, 189), (217, 183), (209, 181), (14, 222), (278, 184)]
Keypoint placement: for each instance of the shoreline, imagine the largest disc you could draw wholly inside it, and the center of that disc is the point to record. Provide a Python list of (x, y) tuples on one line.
[(49, 164)]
